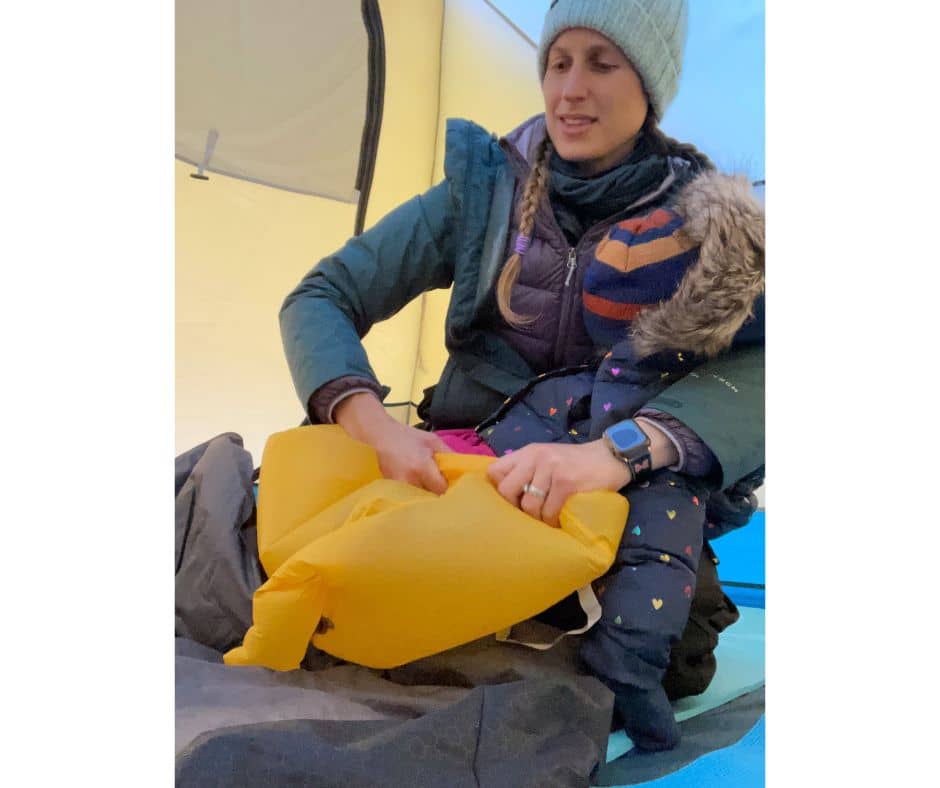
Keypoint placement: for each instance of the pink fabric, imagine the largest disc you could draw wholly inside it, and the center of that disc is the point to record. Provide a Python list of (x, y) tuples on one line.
[(465, 442)]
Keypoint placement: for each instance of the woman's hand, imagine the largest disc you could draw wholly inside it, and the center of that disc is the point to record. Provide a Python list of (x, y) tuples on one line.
[(562, 469), (404, 453), (558, 470)]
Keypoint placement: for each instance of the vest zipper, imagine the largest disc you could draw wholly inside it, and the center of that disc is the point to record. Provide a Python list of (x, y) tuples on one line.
[(568, 296), (568, 293), (572, 265)]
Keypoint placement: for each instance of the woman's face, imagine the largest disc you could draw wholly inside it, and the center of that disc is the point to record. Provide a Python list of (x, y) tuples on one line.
[(594, 100)]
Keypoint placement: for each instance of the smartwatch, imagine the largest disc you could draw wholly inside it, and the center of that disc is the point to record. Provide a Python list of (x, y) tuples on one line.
[(629, 443)]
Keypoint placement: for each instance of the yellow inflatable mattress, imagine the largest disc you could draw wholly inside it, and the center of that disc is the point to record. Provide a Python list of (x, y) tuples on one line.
[(381, 573)]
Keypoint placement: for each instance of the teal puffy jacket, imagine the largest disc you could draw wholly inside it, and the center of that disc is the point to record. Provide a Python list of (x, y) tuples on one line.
[(456, 234)]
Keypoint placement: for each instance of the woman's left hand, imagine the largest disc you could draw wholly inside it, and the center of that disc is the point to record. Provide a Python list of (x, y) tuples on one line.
[(558, 471)]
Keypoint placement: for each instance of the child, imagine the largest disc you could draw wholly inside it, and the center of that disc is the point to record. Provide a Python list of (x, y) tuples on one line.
[(665, 292)]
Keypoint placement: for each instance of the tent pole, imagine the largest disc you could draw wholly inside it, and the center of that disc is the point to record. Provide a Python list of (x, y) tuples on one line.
[(368, 150)]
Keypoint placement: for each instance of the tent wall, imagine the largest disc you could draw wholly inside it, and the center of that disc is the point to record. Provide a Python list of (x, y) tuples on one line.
[(497, 88), (241, 247)]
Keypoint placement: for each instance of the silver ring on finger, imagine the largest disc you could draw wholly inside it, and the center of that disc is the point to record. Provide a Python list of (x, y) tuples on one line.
[(535, 492)]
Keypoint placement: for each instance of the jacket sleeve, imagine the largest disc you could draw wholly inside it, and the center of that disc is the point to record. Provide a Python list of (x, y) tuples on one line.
[(722, 402), (370, 279)]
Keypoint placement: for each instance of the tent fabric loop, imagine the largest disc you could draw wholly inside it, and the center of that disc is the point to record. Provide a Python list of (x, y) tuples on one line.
[(211, 139)]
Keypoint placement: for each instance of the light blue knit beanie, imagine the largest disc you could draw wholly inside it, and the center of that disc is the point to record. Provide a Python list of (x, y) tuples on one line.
[(651, 34)]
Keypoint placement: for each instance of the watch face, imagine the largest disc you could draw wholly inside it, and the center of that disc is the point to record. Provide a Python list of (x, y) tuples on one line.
[(626, 435)]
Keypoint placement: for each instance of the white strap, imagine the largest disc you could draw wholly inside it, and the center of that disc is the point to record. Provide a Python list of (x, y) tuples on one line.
[(524, 634)]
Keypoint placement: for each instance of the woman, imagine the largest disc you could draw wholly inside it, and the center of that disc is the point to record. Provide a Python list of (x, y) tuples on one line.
[(545, 196)]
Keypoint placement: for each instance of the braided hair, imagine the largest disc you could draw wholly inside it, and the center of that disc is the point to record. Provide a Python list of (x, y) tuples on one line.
[(535, 188), (670, 147)]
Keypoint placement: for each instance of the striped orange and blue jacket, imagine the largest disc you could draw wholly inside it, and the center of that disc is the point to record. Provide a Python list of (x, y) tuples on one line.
[(638, 264)]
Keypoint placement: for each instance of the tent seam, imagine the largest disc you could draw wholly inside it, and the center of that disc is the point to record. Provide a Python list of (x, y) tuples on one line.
[(419, 360), (440, 102), (512, 24)]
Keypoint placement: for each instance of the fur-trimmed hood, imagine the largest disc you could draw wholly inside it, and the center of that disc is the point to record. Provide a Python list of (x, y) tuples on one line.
[(716, 296)]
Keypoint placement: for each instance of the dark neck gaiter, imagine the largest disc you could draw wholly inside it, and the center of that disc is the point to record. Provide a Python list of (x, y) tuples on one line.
[(580, 201)]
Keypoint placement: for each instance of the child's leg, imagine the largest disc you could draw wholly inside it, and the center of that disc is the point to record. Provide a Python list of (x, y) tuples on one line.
[(646, 602)]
